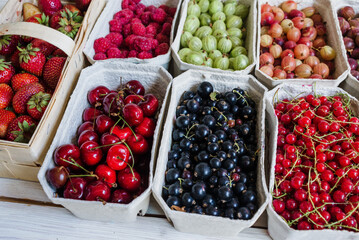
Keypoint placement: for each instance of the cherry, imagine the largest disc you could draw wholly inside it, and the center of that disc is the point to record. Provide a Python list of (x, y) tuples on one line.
[(121, 133), (149, 105), (57, 176), (97, 94), (90, 114), (97, 191), (118, 157), (121, 196), (106, 174), (132, 114), (138, 144), (68, 152), (103, 124), (75, 188), (90, 153), (107, 140), (112, 103), (87, 135), (133, 99), (85, 126), (146, 128), (128, 180), (134, 87)]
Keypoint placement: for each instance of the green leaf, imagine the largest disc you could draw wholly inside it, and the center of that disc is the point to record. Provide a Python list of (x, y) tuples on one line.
[(26, 126), (213, 96)]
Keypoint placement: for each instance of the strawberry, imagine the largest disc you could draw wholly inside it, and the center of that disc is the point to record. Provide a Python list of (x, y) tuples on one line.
[(45, 47), (66, 22), (73, 9), (21, 129), (82, 4), (37, 105), (6, 95), (59, 53), (32, 60), (6, 118), (6, 71), (24, 94), (40, 19), (52, 71), (49, 7), (21, 79), (14, 59), (8, 44)]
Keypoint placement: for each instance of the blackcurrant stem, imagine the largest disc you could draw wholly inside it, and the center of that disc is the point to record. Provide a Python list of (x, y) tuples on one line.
[(245, 100), (189, 130)]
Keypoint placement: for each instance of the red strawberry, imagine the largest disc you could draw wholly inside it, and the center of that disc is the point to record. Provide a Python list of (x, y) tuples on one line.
[(24, 94), (45, 47), (52, 71), (15, 59), (49, 7), (59, 53), (66, 22), (6, 71), (82, 4), (37, 104), (21, 129), (6, 118), (21, 79), (73, 9), (6, 95), (32, 60), (8, 44), (40, 19)]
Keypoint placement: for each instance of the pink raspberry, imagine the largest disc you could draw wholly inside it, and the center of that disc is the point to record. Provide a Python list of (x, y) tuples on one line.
[(159, 15), (165, 8), (126, 30), (113, 52), (154, 43), (138, 29), (161, 38), (125, 4), (156, 25), (129, 41), (132, 54), (172, 11), (136, 20), (146, 18), (169, 20), (145, 55), (162, 49), (115, 25), (124, 53), (151, 30), (101, 45), (150, 8), (166, 29), (125, 13), (115, 38), (132, 6), (140, 9), (100, 56), (142, 44)]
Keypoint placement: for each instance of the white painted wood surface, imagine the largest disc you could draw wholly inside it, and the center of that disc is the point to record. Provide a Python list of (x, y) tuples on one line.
[(26, 213)]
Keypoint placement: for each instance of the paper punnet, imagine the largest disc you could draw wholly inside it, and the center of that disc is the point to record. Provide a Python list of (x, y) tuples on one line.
[(102, 28), (156, 80), (324, 7), (250, 42), (203, 224), (277, 227)]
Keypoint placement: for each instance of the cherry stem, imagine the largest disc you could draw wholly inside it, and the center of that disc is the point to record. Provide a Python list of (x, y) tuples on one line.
[(84, 175), (73, 162), (134, 134)]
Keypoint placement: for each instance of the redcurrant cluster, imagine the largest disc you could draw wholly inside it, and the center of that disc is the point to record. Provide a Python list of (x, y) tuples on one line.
[(316, 171)]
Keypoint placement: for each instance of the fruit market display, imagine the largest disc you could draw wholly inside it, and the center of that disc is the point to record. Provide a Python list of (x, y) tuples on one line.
[(211, 166), (137, 31), (214, 34), (316, 171), (349, 26), (66, 18), (110, 160), (293, 43)]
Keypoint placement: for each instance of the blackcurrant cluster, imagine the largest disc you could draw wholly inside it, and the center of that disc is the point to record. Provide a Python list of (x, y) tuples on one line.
[(211, 166)]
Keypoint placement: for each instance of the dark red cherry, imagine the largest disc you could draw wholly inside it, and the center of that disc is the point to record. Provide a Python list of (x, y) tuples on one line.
[(90, 154), (106, 174), (103, 123), (121, 133), (128, 180), (133, 99), (87, 135), (57, 176), (146, 128), (112, 103), (68, 153), (97, 94), (107, 140), (134, 87), (132, 114), (85, 126), (90, 114), (75, 188), (138, 144), (149, 105), (97, 191), (121, 196)]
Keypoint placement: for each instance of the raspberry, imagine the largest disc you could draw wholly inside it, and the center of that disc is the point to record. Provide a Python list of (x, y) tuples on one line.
[(136, 1), (146, 18), (124, 53), (126, 30), (142, 44), (129, 41), (115, 38), (156, 25), (159, 15), (150, 8), (132, 54), (100, 56), (172, 11), (169, 20), (125, 4), (115, 25), (165, 8), (113, 53), (125, 14), (140, 9), (151, 30), (162, 49), (101, 45), (154, 43), (138, 29), (166, 29), (161, 38), (136, 20), (145, 55)]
